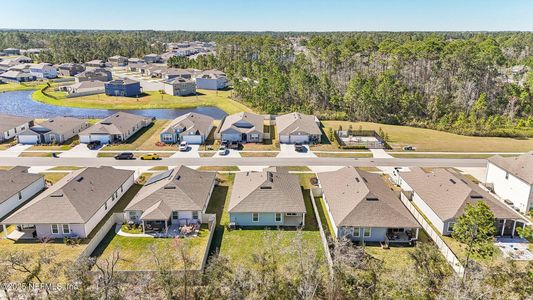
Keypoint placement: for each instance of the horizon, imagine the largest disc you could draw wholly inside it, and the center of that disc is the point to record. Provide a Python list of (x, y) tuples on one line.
[(274, 16)]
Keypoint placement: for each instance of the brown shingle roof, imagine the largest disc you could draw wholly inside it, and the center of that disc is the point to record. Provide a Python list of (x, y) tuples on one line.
[(117, 123), (192, 122), (361, 199), (520, 166), (232, 123), (14, 180), (266, 192), (74, 199), (297, 122), (8, 122), (447, 193)]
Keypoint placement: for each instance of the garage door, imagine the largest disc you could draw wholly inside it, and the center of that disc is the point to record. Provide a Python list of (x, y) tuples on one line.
[(299, 139), (104, 139), (192, 139), (233, 137), (28, 139)]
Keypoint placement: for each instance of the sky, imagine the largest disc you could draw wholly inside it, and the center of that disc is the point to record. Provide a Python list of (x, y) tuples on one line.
[(271, 15)]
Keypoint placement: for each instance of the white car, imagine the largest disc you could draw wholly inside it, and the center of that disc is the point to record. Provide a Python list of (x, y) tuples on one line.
[(222, 150), (184, 146)]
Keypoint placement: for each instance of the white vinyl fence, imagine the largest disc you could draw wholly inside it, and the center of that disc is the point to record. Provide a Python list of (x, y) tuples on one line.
[(441, 245), (116, 218)]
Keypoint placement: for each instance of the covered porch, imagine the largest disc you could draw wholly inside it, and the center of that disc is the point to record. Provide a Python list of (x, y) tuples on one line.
[(401, 235), (19, 232), (507, 227)]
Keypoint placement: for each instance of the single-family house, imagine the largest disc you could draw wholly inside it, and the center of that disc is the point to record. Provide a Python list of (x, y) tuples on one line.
[(74, 205), (123, 87), (193, 128), (134, 60), (70, 69), (16, 187), (211, 80), (99, 74), (86, 87), (243, 127), (266, 199), (172, 73), (97, 63), (442, 195), (43, 70), (10, 126), (175, 197), (298, 128), (12, 51), (118, 61), (116, 128), (53, 131), (152, 58), (362, 207), (17, 76), (512, 179), (180, 87)]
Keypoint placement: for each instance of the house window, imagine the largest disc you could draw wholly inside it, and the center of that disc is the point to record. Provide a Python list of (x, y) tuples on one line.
[(291, 214), (66, 229), (348, 231), (20, 195), (105, 206), (133, 215), (255, 217), (195, 215), (356, 232), (113, 197), (507, 175), (175, 215), (278, 217), (450, 226), (367, 232), (121, 188), (55, 229)]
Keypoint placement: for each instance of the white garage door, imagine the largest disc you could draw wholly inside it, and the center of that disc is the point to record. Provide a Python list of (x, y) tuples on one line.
[(299, 139), (233, 137), (28, 139), (192, 139), (104, 139)]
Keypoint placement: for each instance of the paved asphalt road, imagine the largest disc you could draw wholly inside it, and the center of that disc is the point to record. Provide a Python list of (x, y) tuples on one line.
[(245, 161)]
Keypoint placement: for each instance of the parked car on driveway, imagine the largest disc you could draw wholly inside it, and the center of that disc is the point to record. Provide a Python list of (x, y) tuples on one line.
[(231, 145), (409, 148), (298, 147), (184, 146), (125, 156), (93, 145), (150, 156), (223, 150)]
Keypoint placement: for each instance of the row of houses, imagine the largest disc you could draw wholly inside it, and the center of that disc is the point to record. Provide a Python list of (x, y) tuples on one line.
[(21, 69), (116, 128)]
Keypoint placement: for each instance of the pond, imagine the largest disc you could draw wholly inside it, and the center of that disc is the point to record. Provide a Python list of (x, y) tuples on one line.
[(20, 103)]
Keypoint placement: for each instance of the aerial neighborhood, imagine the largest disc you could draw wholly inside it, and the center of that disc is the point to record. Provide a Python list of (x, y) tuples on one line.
[(137, 162)]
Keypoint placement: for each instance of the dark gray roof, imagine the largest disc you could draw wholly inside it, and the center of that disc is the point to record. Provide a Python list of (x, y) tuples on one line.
[(191, 123), (117, 123), (62, 125), (8, 122), (266, 192), (297, 122), (14, 180), (74, 199), (178, 189), (233, 123), (361, 199)]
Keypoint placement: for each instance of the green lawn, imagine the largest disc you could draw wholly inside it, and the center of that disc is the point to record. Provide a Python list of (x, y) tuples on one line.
[(28, 86), (433, 140), (219, 168), (259, 154), (220, 99), (240, 245), (345, 155), (146, 136), (136, 253)]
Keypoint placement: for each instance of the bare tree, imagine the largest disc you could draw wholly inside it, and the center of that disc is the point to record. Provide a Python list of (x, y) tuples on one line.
[(108, 279)]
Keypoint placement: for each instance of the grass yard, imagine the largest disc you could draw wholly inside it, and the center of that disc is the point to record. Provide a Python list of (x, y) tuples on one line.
[(53, 177), (51, 147), (298, 169), (150, 100), (27, 86), (415, 155), (344, 155), (35, 154), (146, 137), (240, 245), (433, 140), (219, 168), (258, 154), (137, 253), (206, 154)]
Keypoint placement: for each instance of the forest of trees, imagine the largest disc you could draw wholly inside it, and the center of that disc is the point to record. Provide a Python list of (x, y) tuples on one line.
[(468, 83)]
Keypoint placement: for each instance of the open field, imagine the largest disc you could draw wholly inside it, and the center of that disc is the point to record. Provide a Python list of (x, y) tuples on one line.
[(220, 99), (240, 245), (433, 140)]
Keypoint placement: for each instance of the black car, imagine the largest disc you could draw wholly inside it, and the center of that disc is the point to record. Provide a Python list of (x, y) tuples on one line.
[(299, 147), (93, 145), (232, 145), (125, 156)]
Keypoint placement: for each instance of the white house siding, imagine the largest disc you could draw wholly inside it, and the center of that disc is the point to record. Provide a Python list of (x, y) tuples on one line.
[(193, 139), (211, 84), (27, 193), (11, 133), (335, 229), (513, 188), (100, 214), (45, 230)]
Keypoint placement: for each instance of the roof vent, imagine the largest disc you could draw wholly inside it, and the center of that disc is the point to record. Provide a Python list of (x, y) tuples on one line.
[(270, 176), (265, 188), (453, 181), (79, 179), (357, 179), (170, 187), (371, 198), (364, 179), (476, 196), (57, 195), (178, 177)]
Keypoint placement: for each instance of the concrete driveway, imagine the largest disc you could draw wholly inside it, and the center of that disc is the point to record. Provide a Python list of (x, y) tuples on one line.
[(231, 154), (80, 150), (287, 151), (14, 151), (192, 152), (380, 153)]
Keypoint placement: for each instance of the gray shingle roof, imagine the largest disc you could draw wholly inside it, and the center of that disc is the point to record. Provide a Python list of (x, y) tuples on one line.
[(447, 193), (266, 192), (297, 122), (361, 199), (8, 122), (191, 122), (179, 189), (62, 125), (520, 166), (14, 180), (74, 199), (117, 123), (232, 123)]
